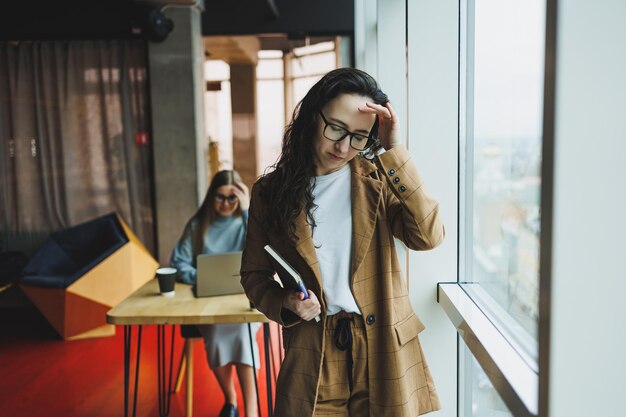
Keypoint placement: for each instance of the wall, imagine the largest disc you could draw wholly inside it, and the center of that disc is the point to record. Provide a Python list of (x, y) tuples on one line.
[(433, 143), (588, 311), (417, 65)]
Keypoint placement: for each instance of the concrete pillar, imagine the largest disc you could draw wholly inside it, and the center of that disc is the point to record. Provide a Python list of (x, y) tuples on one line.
[(243, 100), (288, 85), (176, 89)]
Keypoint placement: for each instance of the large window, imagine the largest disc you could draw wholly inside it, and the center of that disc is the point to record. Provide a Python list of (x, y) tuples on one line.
[(502, 93), (270, 107), (503, 110), (309, 64), (218, 113), (283, 78), (481, 398)]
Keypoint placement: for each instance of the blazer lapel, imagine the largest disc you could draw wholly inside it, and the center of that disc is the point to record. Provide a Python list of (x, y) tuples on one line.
[(366, 194), (306, 247)]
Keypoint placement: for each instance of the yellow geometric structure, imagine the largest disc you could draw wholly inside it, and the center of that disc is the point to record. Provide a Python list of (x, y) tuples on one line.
[(74, 285)]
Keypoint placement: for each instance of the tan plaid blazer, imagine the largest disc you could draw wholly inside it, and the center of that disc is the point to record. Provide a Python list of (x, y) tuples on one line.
[(388, 199)]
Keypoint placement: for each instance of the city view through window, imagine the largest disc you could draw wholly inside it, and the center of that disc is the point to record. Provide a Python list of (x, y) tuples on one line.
[(502, 185), (505, 136)]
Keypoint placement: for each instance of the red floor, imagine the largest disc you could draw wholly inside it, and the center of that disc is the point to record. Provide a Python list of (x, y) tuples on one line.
[(42, 375)]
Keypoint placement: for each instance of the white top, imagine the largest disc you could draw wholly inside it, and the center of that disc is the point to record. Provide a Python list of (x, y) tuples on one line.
[(333, 238)]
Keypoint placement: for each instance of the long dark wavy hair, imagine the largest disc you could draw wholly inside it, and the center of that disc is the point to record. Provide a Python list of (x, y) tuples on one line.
[(288, 188), (206, 212)]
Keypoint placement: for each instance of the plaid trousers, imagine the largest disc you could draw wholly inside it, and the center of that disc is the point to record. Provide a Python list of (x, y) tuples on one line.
[(344, 387)]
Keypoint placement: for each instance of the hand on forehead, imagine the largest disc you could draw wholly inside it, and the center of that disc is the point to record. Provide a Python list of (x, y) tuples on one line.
[(345, 110)]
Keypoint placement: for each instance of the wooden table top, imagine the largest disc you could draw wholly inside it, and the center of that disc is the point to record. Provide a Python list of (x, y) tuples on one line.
[(148, 306)]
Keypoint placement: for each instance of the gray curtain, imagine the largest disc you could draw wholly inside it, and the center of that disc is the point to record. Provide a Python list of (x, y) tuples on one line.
[(73, 118)]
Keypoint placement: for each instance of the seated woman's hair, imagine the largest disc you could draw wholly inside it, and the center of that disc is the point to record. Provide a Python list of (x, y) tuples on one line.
[(206, 212)]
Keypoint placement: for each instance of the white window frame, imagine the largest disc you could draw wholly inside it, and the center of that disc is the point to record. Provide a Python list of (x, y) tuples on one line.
[(513, 373)]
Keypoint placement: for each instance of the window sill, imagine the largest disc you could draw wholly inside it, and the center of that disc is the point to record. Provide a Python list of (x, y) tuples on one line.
[(516, 382)]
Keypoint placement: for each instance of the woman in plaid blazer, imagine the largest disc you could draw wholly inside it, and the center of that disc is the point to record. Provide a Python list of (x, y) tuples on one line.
[(342, 189)]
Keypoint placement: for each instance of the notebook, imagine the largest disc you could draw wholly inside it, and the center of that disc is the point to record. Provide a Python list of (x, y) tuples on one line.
[(289, 277), (218, 274)]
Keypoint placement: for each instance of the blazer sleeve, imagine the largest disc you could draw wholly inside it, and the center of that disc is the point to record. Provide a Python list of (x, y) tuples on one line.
[(411, 212), (257, 272)]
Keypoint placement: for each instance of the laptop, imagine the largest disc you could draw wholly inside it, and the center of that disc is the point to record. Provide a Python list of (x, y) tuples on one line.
[(218, 274)]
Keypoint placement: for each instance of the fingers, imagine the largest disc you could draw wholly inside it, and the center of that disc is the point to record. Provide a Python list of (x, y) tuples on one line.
[(240, 189), (387, 117), (239, 193), (388, 122), (312, 307), (306, 309), (392, 112), (384, 112), (310, 314), (243, 187)]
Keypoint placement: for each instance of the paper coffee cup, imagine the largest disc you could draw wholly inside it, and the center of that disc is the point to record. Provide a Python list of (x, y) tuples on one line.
[(167, 279)]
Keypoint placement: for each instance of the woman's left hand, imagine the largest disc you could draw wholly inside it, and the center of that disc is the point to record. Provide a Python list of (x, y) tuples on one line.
[(388, 124), (243, 195)]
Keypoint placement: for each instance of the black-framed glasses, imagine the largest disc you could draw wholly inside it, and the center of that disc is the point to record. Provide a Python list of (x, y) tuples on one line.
[(220, 198), (336, 133)]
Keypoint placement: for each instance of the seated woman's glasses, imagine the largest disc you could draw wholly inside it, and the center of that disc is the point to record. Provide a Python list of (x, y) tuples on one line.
[(220, 198)]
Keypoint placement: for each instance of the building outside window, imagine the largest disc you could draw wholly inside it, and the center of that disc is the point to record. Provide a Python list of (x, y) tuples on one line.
[(501, 108)]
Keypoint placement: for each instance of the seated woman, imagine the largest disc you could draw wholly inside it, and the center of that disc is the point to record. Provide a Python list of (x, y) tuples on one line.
[(219, 226)]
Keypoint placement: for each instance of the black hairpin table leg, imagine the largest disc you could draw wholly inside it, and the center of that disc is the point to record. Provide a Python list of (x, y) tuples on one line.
[(128, 336), (164, 381), (268, 374), (256, 384)]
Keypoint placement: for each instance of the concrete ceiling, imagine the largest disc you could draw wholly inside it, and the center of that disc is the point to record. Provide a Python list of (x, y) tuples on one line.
[(241, 49), (232, 49), (163, 3), (244, 49)]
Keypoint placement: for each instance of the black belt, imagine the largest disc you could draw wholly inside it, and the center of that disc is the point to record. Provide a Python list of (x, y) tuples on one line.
[(343, 341)]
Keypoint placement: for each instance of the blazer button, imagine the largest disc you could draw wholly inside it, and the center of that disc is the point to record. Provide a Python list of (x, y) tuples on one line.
[(402, 188), (392, 171), (371, 319), (396, 180)]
